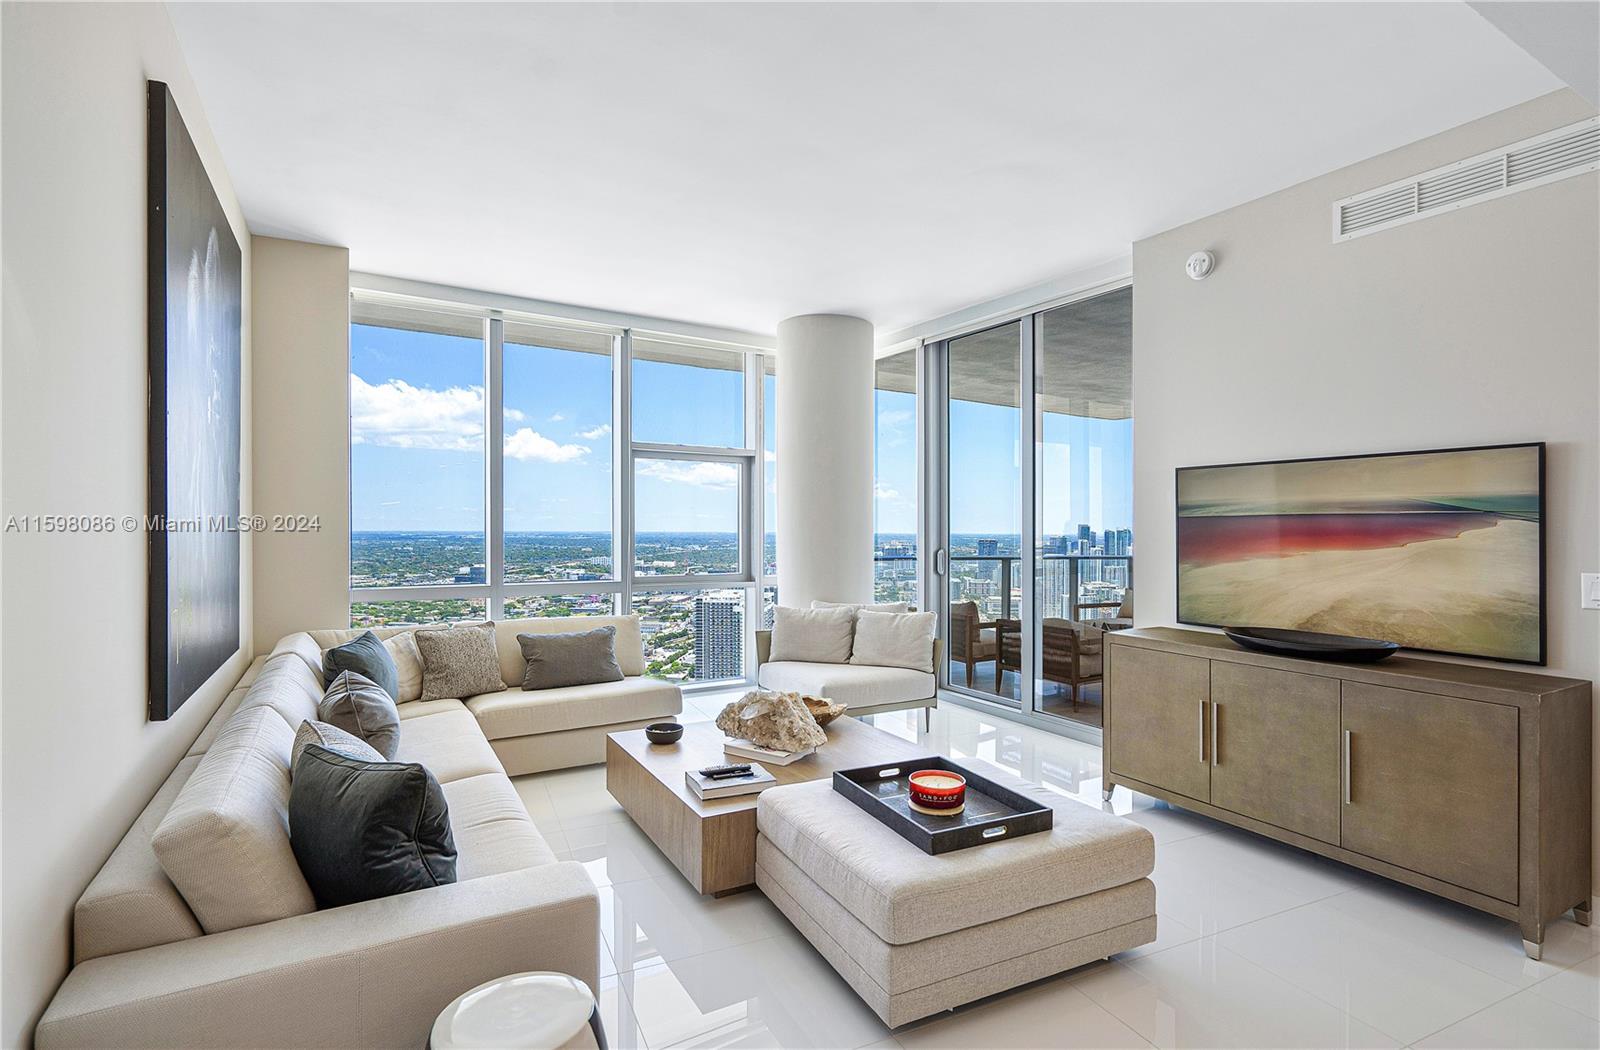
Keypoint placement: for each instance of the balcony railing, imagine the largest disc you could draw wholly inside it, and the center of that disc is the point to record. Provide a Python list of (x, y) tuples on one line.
[(1072, 566)]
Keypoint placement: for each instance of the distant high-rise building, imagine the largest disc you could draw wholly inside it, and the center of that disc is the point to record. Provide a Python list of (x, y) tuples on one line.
[(988, 548), (1119, 542), (1086, 535), (718, 636), (471, 574)]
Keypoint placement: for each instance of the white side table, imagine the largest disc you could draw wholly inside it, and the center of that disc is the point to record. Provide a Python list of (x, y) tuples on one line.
[(525, 1011)]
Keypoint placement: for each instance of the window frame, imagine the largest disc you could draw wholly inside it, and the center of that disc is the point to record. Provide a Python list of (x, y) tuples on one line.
[(624, 582)]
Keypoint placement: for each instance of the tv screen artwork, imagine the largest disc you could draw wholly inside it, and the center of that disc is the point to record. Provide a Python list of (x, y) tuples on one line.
[(1440, 550)]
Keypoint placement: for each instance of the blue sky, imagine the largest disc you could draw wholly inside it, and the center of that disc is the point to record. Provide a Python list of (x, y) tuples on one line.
[(417, 456)]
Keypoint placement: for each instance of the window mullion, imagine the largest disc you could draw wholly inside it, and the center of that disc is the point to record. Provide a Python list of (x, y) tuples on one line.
[(494, 462), (622, 468)]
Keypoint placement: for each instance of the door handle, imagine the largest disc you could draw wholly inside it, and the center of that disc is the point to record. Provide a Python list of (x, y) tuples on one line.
[(940, 562), (1202, 733), (1216, 716), (1344, 761)]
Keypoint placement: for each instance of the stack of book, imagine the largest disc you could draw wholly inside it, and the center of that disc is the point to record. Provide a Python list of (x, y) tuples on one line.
[(705, 787), (771, 756)]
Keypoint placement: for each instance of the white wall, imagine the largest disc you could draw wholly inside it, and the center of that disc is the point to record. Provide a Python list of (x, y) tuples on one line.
[(1475, 327), (80, 760), (301, 379)]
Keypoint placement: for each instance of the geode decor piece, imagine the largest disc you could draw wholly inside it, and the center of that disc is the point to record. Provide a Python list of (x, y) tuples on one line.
[(777, 720), (824, 711)]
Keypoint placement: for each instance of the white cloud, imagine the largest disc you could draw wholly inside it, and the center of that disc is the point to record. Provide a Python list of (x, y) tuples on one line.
[(895, 418), (882, 491), (557, 418), (705, 475), (595, 433), (529, 444), (399, 415)]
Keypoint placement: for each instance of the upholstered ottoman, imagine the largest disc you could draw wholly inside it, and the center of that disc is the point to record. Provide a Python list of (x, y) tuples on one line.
[(916, 934)]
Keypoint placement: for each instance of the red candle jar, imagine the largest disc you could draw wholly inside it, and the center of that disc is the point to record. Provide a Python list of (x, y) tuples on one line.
[(938, 791)]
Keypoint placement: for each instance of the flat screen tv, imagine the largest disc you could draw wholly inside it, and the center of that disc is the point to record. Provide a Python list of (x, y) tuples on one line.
[(1440, 550)]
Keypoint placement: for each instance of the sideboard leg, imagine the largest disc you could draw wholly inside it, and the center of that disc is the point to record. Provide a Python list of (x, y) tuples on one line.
[(1583, 912), (1533, 939), (1105, 796)]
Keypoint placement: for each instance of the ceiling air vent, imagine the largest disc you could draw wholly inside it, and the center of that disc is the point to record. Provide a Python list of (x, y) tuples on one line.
[(1571, 150)]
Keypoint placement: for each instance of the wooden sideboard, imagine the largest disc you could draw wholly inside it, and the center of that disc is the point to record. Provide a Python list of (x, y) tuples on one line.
[(1470, 782)]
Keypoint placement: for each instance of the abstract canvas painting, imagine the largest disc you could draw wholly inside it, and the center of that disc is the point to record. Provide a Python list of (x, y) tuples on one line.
[(1440, 551), (194, 345)]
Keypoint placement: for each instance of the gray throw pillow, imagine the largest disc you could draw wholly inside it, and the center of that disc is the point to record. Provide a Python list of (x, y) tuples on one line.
[(366, 656), (458, 662), (334, 739), (361, 708), (579, 658)]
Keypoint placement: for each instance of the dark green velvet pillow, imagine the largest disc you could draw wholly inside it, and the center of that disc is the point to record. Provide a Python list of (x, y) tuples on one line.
[(362, 830), (367, 657)]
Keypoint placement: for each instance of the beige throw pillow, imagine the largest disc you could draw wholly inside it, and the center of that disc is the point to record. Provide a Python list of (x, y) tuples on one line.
[(407, 664), (894, 640), (816, 636), (225, 841), (458, 662)]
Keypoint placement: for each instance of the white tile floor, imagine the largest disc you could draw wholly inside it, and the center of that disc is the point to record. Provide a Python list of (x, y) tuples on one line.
[(1260, 945)]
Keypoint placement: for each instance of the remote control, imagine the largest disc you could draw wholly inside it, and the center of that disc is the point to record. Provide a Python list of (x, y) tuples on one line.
[(724, 772)]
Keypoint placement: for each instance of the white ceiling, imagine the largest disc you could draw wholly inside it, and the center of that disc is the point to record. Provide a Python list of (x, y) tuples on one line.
[(737, 164)]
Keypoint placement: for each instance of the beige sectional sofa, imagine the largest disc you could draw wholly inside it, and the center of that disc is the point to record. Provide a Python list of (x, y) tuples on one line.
[(375, 974), (868, 690)]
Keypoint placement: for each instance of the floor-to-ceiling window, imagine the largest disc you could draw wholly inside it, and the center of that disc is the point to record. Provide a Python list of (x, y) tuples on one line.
[(894, 479), (628, 476), (1034, 513)]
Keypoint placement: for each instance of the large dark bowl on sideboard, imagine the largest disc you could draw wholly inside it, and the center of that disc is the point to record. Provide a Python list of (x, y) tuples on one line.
[(1310, 644)]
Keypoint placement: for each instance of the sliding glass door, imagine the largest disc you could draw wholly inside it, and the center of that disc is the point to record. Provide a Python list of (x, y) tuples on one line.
[(1032, 513), (983, 482)]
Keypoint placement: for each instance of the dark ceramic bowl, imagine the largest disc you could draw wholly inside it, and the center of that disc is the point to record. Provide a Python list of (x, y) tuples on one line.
[(1307, 644), (664, 732)]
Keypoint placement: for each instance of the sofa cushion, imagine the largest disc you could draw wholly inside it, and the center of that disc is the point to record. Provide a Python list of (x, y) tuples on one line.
[(905, 895), (367, 657), (812, 635), (516, 712), (286, 686), (424, 708), (130, 903), (629, 645), (363, 709), (450, 744), (492, 829), (858, 686), (458, 661), (364, 830), (552, 661), (225, 841), (894, 640)]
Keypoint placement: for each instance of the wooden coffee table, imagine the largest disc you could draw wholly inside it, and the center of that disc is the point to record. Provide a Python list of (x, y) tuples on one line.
[(713, 843)]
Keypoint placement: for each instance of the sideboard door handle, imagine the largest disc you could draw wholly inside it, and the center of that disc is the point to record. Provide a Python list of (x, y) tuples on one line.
[(1216, 716), (1344, 761), (1202, 733)]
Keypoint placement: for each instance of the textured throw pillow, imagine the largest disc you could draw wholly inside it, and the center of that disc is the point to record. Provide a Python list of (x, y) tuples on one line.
[(356, 705), (367, 657), (580, 658), (888, 607), (334, 739), (459, 662), (816, 636), (367, 829), (407, 659), (894, 640)]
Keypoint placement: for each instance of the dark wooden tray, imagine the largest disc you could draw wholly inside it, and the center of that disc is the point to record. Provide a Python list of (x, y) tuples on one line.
[(994, 812)]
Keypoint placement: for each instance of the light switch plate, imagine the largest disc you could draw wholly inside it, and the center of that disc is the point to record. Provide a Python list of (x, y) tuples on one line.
[(1591, 590)]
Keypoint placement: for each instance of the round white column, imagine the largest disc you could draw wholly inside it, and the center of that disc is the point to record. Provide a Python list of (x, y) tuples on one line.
[(824, 449)]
